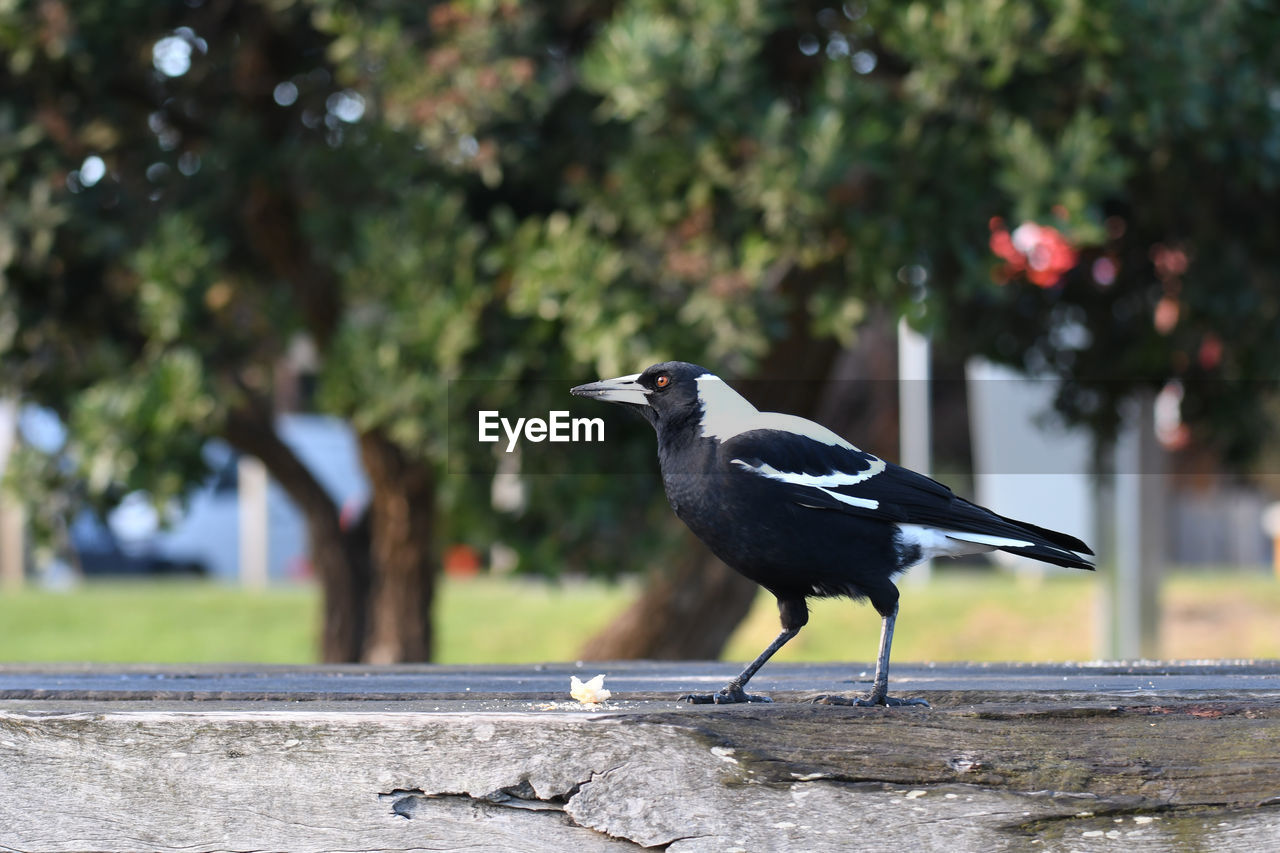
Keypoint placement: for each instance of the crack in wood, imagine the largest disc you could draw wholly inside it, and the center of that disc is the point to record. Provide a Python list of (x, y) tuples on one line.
[(417, 804), (405, 801)]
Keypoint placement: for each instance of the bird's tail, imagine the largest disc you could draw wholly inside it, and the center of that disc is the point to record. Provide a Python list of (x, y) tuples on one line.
[(968, 522), (1050, 546)]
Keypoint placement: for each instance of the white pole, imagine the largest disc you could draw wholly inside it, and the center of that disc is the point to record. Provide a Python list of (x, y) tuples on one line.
[(1139, 501), (1125, 593), (914, 414), (252, 479)]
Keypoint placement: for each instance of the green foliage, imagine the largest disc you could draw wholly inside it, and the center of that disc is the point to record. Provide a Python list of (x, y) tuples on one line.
[(145, 430), (174, 270), (417, 283)]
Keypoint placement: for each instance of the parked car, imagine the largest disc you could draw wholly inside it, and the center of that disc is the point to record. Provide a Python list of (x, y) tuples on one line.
[(99, 551)]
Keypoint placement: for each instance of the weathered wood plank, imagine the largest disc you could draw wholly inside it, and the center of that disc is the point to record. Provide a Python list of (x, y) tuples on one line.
[(1197, 766)]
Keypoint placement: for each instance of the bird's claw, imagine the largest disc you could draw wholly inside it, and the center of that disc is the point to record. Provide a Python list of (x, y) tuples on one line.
[(871, 701), (892, 702), (731, 695)]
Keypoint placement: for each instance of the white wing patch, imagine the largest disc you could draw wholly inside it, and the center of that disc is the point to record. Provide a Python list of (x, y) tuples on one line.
[(726, 413), (865, 503), (823, 482), (834, 480)]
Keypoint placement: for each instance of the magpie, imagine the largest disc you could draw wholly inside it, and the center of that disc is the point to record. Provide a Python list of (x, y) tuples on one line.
[(794, 507)]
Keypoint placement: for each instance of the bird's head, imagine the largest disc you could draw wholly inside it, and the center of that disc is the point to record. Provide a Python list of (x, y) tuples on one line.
[(663, 393)]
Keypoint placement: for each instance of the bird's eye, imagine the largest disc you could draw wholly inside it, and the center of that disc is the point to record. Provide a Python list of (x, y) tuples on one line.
[(662, 381)]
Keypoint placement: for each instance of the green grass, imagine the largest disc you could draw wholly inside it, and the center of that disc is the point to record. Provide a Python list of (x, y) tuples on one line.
[(957, 616), (485, 620), (482, 620), (161, 622)]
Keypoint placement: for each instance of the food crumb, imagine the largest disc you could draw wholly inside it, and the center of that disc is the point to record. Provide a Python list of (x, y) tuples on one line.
[(592, 692)]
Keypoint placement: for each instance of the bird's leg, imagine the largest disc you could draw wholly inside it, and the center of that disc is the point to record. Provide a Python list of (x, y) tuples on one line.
[(794, 613), (733, 691), (880, 686)]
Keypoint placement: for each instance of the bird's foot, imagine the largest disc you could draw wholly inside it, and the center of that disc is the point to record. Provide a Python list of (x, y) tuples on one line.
[(871, 701), (730, 695)]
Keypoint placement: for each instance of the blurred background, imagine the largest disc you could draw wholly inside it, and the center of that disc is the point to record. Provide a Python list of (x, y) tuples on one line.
[(260, 260)]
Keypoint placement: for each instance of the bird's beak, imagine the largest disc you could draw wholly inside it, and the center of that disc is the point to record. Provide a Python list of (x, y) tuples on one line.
[(624, 389)]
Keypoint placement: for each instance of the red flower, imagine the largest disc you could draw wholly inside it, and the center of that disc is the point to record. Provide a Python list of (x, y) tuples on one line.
[(1039, 251)]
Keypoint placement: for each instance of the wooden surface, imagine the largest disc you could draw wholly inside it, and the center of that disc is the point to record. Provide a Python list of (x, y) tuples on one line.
[(1088, 757)]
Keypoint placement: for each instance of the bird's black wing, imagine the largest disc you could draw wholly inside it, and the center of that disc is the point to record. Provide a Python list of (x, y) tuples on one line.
[(819, 473), (824, 475)]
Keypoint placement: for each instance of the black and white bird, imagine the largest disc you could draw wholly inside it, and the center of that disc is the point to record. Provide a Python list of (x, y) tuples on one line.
[(802, 512)]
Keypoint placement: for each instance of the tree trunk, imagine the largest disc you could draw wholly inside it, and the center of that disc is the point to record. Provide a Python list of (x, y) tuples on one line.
[(340, 557), (690, 611), (402, 516)]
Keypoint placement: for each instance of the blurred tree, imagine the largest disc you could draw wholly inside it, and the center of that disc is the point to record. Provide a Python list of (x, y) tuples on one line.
[(1135, 163), (431, 192)]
